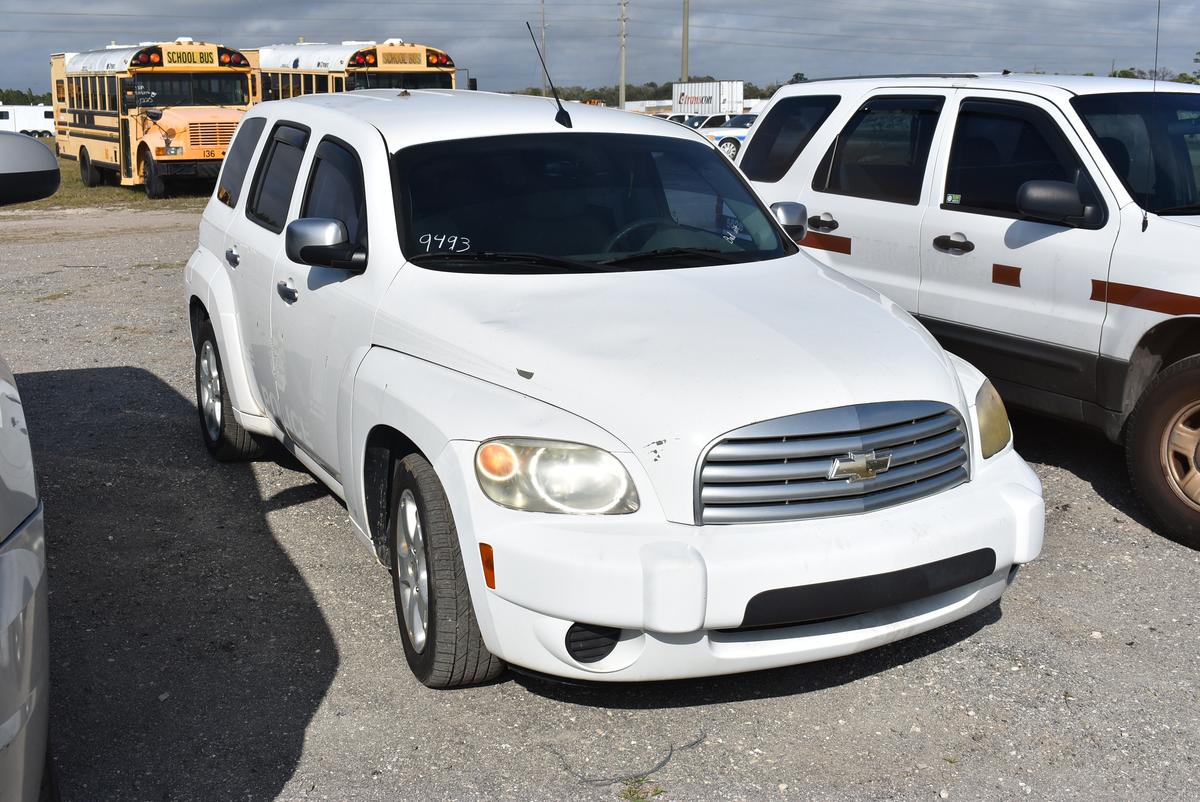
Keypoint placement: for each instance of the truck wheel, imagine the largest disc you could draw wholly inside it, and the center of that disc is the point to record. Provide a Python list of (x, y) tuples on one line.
[(730, 148), (1163, 450), (89, 173), (433, 603), (223, 436), (156, 185)]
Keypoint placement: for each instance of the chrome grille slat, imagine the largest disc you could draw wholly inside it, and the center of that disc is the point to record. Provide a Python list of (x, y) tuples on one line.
[(733, 450), (778, 470)]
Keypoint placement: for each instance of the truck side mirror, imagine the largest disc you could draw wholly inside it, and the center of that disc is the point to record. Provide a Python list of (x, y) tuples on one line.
[(28, 170), (322, 242), (793, 217), (1057, 202)]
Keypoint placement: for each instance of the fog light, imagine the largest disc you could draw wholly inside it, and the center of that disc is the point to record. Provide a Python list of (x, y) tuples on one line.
[(591, 644)]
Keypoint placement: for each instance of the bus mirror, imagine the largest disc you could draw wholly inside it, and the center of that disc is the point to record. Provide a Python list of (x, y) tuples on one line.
[(28, 170), (154, 114)]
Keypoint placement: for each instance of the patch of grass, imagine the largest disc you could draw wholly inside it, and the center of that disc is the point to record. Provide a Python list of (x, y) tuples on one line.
[(179, 265), (54, 296), (72, 194), (639, 789)]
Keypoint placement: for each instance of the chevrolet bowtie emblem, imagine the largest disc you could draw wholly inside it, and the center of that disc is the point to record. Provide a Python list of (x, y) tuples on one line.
[(855, 467)]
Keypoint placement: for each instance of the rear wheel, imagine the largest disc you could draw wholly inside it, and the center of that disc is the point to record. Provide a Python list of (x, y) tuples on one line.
[(156, 185), (223, 436), (433, 602), (89, 173), (1163, 450)]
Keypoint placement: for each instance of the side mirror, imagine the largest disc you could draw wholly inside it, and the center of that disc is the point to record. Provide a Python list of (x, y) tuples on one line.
[(1055, 202), (28, 170), (322, 242), (154, 115), (793, 217)]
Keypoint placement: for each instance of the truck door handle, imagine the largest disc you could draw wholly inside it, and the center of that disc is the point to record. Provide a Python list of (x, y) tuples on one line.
[(287, 291), (822, 222), (231, 256), (950, 244)]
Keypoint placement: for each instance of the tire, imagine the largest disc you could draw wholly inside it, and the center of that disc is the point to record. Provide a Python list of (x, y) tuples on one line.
[(156, 185), (730, 148), (449, 651), (1162, 447), (89, 174), (223, 436)]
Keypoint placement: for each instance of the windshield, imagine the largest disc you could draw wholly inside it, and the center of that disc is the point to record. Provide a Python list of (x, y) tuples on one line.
[(191, 89), (1152, 142), (400, 80), (741, 121), (589, 199)]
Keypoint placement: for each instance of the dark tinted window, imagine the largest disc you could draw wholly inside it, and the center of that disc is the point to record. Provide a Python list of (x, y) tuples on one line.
[(997, 147), (782, 135), (1152, 142), (882, 152), (308, 84), (237, 160), (335, 190), (403, 80), (276, 179)]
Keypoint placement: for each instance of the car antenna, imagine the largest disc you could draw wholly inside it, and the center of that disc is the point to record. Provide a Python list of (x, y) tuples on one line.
[(562, 118), (1153, 108)]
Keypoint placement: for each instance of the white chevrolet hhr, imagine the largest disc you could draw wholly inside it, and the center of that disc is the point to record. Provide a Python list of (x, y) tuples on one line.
[(584, 397)]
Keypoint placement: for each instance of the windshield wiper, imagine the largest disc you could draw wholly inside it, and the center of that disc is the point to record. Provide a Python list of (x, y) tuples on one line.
[(1191, 208), (667, 253), (493, 257)]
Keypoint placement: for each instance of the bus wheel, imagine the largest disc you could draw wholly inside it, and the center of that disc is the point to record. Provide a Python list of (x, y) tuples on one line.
[(156, 185), (89, 174)]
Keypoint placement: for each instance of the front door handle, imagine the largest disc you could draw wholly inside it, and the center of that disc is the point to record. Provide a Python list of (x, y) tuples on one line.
[(231, 256), (822, 222), (287, 291), (955, 243)]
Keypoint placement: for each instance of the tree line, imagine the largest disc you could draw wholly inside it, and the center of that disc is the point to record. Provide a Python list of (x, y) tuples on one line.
[(23, 97)]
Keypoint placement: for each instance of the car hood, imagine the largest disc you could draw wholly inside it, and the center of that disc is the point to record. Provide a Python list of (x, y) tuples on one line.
[(668, 360)]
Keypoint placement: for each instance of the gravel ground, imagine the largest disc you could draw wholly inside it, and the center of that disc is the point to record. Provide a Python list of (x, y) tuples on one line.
[(218, 632)]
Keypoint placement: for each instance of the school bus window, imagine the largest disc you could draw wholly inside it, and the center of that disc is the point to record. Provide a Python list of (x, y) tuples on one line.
[(60, 91), (308, 83), (339, 84)]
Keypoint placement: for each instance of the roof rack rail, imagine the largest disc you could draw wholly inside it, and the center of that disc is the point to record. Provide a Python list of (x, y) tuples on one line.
[(896, 75)]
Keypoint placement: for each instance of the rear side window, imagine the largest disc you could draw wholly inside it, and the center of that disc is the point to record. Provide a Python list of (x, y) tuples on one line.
[(335, 190), (276, 178), (783, 134), (997, 147), (882, 152), (237, 161)]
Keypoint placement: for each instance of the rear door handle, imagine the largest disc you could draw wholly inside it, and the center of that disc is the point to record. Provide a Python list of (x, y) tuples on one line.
[(956, 243), (822, 222), (231, 256), (287, 291)]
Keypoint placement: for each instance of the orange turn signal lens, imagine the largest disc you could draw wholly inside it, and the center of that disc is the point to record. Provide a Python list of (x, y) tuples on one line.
[(370, 58), (489, 565), (497, 461), (155, 58)]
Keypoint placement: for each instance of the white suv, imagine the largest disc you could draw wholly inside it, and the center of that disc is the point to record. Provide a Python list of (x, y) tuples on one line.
[(1044, 227), (584, 397)]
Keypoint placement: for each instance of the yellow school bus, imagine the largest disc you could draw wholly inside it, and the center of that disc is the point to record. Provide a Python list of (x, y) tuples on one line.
[(146, 114), (308, 68)]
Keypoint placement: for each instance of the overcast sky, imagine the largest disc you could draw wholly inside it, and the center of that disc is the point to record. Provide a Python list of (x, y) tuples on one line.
[(760, 40)]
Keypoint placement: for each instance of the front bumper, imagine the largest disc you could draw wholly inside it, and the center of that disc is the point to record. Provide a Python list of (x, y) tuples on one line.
[(676, 591), (24, 660), (189, 168)]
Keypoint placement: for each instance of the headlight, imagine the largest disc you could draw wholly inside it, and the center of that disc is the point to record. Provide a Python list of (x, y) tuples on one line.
[(994, 431), (549, 476)]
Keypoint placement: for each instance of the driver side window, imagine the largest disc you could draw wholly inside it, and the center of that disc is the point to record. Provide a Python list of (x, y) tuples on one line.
[(336, 191)]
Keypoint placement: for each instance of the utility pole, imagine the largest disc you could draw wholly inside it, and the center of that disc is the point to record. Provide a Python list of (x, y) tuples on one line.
[(543, 73), (621, 85), (687, 13)]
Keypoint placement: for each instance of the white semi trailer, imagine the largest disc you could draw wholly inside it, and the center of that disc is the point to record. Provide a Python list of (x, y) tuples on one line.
[(32, 120)]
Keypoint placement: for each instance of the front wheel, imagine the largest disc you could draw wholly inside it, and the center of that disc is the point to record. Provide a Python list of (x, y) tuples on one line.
[(223, 436), (730, 148), (1163, 450), (156, 185), (433, 602)]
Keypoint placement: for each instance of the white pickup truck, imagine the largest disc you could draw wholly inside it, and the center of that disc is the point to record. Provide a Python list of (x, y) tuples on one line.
[(1044, 227), (585, 398)]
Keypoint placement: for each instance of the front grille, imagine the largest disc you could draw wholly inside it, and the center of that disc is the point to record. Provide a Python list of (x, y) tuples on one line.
[(210, 135), (779, 470)]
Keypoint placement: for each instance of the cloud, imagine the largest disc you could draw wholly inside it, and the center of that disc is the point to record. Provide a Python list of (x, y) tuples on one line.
[(761, 41)]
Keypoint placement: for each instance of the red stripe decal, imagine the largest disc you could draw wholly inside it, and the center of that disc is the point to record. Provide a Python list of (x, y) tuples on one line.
[(1007, 275), (1167, 303), (826, 242)]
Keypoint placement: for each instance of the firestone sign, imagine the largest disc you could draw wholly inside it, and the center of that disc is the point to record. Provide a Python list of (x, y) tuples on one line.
[(709, 97)]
